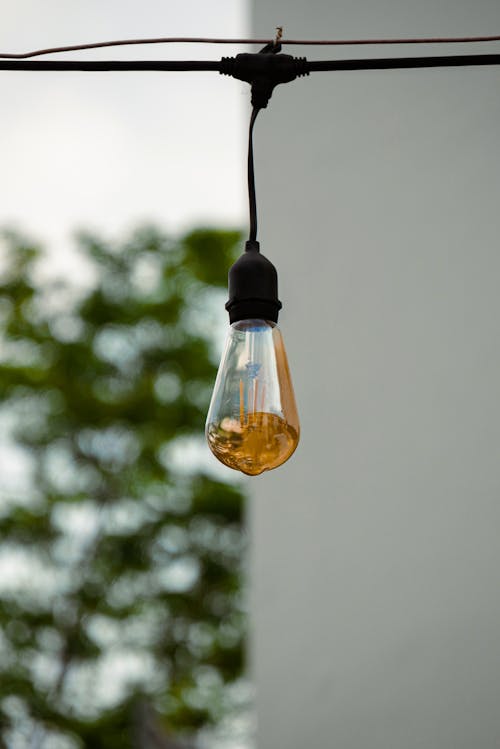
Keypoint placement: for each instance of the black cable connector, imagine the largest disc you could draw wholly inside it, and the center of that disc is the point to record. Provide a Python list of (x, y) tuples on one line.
[(264, 71)]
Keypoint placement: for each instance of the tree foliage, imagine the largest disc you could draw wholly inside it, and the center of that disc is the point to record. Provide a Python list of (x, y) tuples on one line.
[(121, 590)]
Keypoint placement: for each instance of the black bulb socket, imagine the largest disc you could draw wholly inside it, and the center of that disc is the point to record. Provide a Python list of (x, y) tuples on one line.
[(253, 287)]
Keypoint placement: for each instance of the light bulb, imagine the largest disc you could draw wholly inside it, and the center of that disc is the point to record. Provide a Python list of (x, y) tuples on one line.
[(252, 423)]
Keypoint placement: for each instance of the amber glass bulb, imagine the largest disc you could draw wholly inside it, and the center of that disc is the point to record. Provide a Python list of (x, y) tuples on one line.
[(252, 423)]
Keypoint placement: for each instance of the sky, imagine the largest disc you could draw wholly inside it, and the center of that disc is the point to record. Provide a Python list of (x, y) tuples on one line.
[(108, 151)]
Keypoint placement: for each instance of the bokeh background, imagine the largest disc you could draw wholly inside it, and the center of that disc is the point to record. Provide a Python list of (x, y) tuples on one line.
[(122, 562), (122, 609)]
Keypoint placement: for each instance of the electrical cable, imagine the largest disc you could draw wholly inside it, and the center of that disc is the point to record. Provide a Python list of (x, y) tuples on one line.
[(391, 63), (401, 63), (207, 40), (252, 202), (111, 65)]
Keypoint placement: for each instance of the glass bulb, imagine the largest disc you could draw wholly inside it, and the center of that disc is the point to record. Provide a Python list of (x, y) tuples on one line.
[(252, 423)]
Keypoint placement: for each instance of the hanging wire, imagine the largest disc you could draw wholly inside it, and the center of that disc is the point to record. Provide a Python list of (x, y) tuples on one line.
[(252, 202), (215, 40)]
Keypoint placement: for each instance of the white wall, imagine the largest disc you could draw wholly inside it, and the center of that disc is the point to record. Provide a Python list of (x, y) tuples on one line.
[(375, 563)]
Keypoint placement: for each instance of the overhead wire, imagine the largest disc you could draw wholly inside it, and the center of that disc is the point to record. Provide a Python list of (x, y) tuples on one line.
[(217, 40), (309, 66)]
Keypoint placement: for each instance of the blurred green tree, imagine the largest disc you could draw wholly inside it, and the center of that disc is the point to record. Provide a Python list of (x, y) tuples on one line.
[(121, 620)]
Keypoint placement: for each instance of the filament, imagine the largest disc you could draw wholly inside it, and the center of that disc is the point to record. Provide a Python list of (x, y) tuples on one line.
[(242, 405), (255, 392)]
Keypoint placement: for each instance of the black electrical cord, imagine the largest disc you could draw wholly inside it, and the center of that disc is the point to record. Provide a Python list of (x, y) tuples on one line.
[(111, 65), (398, 63), (252, 202), (391, 63)]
